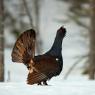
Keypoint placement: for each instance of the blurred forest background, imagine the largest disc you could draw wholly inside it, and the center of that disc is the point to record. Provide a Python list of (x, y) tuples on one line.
[(46, 16)]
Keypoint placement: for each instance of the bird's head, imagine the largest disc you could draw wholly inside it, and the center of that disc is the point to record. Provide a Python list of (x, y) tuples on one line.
[(61, 31)]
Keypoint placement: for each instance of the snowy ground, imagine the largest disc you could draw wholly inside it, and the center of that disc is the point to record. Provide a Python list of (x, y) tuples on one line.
[(55, 88), (76, 84)]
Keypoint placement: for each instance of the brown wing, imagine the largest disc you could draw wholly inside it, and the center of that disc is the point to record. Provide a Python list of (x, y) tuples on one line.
[(35, 77), (24, 48), (44, 69)]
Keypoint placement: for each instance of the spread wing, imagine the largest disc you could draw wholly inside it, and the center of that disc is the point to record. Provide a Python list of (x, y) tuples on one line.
[(36, 77), (24, 48)]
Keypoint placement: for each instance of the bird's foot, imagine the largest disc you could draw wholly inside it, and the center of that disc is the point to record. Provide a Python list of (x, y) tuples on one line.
[(39, 83), (45, 83)]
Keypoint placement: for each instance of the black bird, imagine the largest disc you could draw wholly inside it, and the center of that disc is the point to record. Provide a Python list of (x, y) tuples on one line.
[(42, 67)]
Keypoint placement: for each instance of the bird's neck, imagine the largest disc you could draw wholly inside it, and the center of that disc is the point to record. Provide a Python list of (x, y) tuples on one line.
[(57, 46)]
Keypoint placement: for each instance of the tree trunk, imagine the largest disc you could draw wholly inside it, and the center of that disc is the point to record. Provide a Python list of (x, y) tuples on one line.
[(37, 25), (1, 41), (92, 42)]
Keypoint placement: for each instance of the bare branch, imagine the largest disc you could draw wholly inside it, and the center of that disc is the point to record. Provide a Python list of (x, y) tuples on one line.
[(28, 12), (81, 56), (73, 66), (79, 22)]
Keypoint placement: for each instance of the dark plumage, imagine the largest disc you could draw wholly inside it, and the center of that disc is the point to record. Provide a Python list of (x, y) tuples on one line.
[(42, 67)]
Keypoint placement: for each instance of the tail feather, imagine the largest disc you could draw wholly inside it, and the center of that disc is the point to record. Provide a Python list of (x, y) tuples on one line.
[(24, 47)]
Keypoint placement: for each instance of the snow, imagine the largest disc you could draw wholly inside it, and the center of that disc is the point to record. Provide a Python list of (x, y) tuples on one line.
[(56, 88), (76, 84)]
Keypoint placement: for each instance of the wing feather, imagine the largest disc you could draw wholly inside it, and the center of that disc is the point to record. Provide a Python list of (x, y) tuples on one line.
[(35, 77)]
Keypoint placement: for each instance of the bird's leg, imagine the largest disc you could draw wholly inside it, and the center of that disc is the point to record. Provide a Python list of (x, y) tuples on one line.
[(45, 83), (39, 83)]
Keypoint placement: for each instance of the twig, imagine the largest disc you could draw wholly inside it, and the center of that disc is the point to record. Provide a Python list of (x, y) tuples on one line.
[(73, 66), (78, 21), (28, 12)]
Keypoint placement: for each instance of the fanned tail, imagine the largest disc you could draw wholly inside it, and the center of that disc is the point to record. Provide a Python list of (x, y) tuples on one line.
[(24, 48)]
